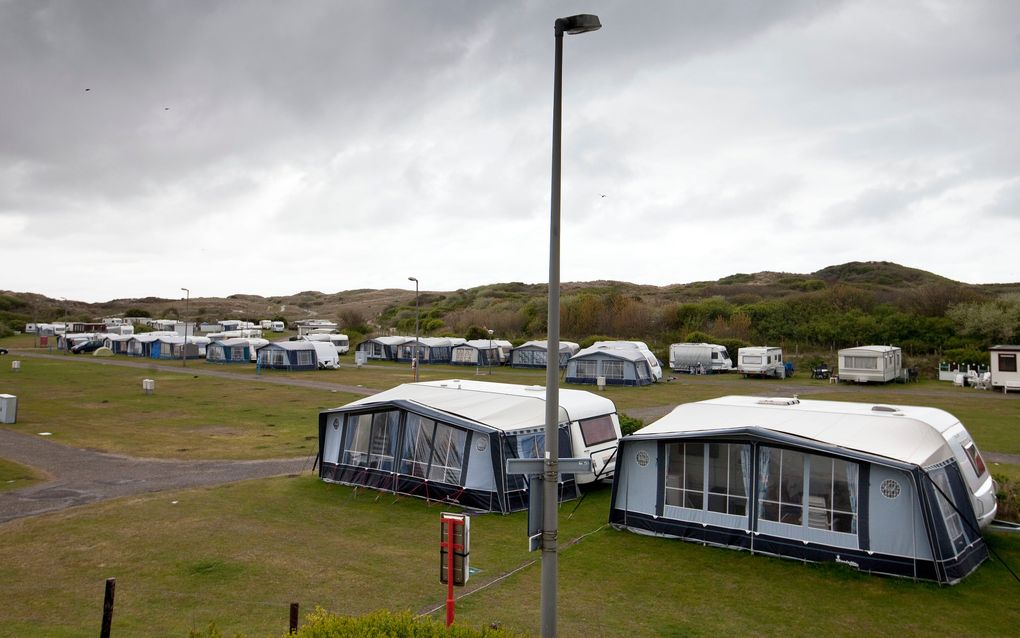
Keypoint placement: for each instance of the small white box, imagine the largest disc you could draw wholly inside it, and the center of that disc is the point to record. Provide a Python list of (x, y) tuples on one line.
[(8, 408)]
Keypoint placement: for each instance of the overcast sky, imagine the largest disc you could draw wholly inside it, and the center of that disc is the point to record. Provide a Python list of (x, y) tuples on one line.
[(273, 147)]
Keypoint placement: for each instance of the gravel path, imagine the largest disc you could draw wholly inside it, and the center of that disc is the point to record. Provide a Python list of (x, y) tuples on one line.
[(78, 477)]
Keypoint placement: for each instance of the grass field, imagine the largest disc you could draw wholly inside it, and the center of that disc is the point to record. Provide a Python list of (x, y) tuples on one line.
[(14, 476), (239, 554)]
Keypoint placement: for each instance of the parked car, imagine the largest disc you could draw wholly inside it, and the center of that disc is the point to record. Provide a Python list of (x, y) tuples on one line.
[(3, 350), (87, 346)]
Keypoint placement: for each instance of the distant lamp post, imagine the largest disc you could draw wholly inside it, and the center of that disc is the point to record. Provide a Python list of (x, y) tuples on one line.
[(184, 350), (414, 359), (550, 521)]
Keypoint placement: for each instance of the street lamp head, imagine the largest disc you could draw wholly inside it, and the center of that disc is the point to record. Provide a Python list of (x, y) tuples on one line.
[(578, 24), (414, 279)]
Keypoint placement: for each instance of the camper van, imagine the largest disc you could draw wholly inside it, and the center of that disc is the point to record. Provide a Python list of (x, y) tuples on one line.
[(450, 440), (762, 361), (875, 364), (888, 489), (695, 357), (277, 326)]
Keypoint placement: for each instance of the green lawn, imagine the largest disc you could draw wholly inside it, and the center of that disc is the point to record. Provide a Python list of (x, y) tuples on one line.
[(238, 555), (14, 476), (104, 408)]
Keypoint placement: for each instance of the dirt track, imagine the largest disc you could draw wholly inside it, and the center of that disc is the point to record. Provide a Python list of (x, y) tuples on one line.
[(78, 477)]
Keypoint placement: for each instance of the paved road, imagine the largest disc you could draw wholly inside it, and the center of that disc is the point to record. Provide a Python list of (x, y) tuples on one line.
[(78, 477)]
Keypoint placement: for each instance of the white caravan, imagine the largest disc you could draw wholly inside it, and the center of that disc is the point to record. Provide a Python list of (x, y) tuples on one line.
[(686, 357), (878, 364), (340, 342), (763, 361)]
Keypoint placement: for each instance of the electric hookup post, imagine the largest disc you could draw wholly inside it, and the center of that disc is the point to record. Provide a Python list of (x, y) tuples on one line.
[(454, 554)]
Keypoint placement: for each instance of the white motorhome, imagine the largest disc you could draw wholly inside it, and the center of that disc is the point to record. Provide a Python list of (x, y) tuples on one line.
[(653, 361), (876, 364), (340, 342), (277, 326), (1004, 370), (711, 357), (763, 361)]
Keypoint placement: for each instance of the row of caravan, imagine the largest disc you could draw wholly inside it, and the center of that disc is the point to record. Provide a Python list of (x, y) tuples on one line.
[(887, 489), (862, 364)]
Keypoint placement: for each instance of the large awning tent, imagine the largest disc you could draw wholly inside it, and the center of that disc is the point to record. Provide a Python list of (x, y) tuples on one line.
[(880, 488), (384, 348), (235, 350), (534, 354), (298, 355), (616, 366), (450, 440)]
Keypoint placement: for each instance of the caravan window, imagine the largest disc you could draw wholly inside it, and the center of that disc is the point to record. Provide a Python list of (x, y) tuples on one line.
[(860, 363), (751, 359), (976, 461), (597, 430), (1007, 362)]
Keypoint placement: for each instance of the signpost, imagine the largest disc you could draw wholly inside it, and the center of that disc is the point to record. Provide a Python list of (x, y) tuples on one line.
[(454, 554), (534, 470)]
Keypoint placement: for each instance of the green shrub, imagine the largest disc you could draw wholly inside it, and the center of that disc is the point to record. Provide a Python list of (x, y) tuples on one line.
[(1008, 494), (629, 425)]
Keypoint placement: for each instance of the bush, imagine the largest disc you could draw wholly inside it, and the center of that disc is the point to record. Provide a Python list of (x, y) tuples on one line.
[(629, 425), (1008, 494)]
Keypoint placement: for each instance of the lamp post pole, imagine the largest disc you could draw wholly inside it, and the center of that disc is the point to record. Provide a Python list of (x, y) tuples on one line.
[(414, 359), (550, 515), (184, 350)]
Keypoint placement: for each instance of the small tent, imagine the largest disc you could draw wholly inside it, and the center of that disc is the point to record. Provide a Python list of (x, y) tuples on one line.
[(897, 490)]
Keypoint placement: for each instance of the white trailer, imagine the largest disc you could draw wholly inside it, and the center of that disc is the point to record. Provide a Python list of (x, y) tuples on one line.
[(277, 326), (1004, 368), (762, 361), (711, 357), (340, 342), (874, 364)]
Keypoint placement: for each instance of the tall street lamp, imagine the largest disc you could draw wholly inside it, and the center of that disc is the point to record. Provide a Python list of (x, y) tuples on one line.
[(414, 359), (550, 522), (184, 350)]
